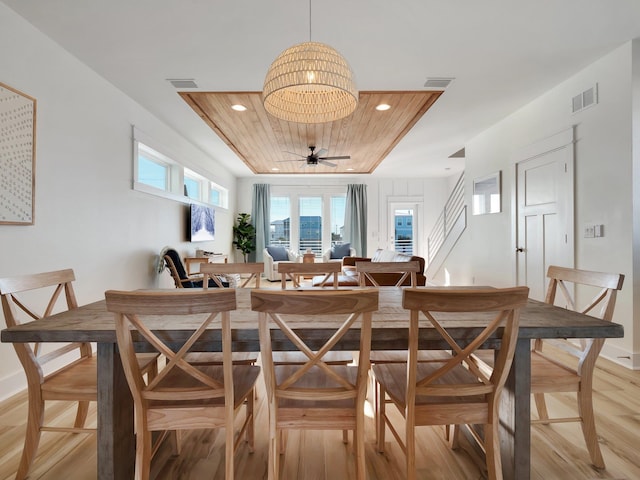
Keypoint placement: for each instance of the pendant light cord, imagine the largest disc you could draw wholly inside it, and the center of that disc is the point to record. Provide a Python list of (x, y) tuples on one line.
[(309, 20)]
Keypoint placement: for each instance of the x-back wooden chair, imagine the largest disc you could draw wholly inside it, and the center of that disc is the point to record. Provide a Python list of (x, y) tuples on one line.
[(453, 390), (214, 270), (293, 270), (183, 396), (553, 373), (407, 269), (315, 395), (22, 297)]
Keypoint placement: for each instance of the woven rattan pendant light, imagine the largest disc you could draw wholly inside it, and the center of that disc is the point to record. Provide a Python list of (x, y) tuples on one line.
[(310, 83)]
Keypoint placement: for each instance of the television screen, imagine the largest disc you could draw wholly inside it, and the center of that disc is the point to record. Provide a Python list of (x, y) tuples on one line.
[(202, 223)]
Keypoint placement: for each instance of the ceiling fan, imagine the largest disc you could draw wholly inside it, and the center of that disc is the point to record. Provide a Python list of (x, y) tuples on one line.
[(318, 158)]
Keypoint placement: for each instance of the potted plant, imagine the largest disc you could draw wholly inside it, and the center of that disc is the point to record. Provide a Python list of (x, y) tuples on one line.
[(245, 235)]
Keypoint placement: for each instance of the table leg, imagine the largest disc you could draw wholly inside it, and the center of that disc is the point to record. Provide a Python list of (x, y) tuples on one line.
[(116, 441), (515, 416)]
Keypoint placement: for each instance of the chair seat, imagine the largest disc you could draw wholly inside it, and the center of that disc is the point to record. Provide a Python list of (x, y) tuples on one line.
[(78, 379), (393, 377), (316, 380), (549, 376), (244, 379)]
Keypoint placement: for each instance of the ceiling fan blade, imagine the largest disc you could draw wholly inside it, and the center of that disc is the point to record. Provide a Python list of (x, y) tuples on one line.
[(344, 157), (321, 152), (292, 160), (296, 154), (329, 164)]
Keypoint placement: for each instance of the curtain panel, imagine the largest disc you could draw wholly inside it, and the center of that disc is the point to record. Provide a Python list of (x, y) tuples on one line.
[(260, 215), (355, 221)]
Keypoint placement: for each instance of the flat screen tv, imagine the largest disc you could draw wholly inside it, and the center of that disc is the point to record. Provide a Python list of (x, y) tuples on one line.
[(202, 223)]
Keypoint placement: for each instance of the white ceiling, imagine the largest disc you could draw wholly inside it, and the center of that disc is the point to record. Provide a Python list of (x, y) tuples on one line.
[(502, 54)]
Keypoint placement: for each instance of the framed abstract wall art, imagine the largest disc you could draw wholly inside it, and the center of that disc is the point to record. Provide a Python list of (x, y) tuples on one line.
[(17, 156)]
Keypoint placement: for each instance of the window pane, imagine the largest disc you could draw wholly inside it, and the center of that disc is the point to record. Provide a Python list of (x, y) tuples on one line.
[(311, 225), (404, 231), (337, 219), (214, 197), (280, 221), (152, 173), (192, 188)]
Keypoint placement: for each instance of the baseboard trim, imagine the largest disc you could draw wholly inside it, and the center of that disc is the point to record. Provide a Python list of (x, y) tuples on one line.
[(621, 356), (12, 384)]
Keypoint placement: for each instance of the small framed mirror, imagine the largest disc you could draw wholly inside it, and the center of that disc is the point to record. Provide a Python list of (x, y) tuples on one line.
[(17, 156), (487, 192)]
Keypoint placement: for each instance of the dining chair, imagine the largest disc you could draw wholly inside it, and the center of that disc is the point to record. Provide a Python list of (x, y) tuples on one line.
[(214, 271), (22, 298), (406, 270), (568, 365), (183, 396), (572, 371), (453, 390), (293, 271), (315, 395), (178, 272)]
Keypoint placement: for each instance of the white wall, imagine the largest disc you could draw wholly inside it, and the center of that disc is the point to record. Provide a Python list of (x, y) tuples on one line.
[(431, 193), (87, 217), (603, 178)]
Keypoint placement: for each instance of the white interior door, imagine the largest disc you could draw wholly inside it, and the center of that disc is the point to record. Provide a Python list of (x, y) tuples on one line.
[(544, 216), (403, 228)]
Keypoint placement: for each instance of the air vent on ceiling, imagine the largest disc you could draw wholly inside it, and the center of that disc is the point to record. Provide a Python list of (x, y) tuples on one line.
[(585, 99), (438, 83), (182, 82)]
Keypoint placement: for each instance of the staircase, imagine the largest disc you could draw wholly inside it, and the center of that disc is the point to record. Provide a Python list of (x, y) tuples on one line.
[(448, 228)]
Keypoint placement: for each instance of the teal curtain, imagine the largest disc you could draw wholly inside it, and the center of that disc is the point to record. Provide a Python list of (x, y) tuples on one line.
[(355, 218), (260, 215)]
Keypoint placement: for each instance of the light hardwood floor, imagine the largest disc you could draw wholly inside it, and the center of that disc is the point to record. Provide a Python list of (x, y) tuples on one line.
[(558, 451)]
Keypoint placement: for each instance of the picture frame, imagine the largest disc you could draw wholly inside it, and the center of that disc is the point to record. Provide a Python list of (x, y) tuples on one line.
[(487, 194), (17, 157)]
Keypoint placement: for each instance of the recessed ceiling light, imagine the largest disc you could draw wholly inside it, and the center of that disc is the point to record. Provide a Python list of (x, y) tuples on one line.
[(349, 169), (238, 107), (275, 169), (382, 107)]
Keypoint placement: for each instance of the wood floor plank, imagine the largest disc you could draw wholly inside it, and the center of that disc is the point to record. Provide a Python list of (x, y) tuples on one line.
[(558, 451)]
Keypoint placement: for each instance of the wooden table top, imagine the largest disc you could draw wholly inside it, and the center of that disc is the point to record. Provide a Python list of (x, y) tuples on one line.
[(92, 323)]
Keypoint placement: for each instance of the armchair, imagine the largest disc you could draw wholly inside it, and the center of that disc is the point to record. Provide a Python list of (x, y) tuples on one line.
[(338, 252), (176, 268), (274, 254)]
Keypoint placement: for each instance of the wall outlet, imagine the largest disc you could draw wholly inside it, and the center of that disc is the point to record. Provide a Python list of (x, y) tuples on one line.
[(598, 230)]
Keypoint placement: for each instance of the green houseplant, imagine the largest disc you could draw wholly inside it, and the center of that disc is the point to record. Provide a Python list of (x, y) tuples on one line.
[(245, 235)]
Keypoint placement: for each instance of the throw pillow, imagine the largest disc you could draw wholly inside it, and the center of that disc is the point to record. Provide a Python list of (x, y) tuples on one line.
[(340, 251), (279, 254)]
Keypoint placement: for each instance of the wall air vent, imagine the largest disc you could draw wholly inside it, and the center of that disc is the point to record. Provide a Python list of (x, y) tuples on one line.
[(585, 99), (438, 83), (182, 82)]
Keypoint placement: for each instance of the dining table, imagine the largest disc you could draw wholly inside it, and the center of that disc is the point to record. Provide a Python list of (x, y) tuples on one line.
[(115, 427)]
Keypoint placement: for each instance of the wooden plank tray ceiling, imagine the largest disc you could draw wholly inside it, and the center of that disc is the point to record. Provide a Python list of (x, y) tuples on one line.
[(264, 142)]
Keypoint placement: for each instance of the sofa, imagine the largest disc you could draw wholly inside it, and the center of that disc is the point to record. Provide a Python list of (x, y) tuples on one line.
[(350, 276), (274, 254)]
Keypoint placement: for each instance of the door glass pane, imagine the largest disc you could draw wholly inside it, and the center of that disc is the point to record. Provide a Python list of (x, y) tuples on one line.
[(280, 221), (311, 225), (337, 219), (403, 235)]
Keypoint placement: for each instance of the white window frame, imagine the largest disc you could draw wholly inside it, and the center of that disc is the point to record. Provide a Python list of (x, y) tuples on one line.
[(176, 174)]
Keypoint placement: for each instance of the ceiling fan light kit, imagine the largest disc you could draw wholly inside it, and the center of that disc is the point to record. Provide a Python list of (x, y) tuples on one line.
[(310, 83)]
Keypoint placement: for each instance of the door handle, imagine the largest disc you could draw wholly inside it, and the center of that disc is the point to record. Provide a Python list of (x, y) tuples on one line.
[(519, 249)]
